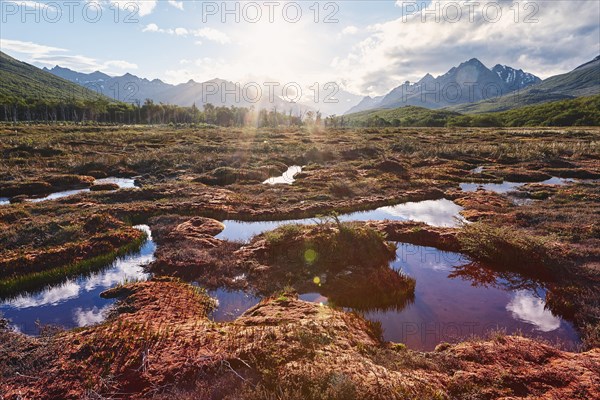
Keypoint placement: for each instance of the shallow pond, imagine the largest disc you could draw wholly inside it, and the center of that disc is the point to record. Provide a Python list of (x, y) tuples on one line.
[(506, 186), (448, 304), (440, 212), (453, 298), (77, 301), (123, 183), (286, 178)]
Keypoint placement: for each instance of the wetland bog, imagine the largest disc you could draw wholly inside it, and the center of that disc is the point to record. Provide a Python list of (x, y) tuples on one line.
[(376, 250)]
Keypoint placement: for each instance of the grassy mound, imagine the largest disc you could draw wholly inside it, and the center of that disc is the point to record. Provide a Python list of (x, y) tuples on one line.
[(328, 247)]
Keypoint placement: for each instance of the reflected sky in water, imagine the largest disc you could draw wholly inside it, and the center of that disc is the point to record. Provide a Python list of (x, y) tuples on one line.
[(286, 178), (526, 307), (506, 186), (445, 308), (77, 302), (124, 183), (231, 303), (440, 212)]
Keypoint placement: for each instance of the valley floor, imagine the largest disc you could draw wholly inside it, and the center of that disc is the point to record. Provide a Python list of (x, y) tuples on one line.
[(159, 341)]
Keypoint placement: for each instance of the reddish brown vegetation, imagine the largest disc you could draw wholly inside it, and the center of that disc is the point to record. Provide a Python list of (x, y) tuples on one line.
[(162, 345)]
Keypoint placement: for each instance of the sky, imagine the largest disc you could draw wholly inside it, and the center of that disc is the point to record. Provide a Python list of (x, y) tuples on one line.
[(366, 47)]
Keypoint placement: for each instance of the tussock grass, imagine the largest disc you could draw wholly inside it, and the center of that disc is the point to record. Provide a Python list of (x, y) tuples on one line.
[(38, 280), (507, 247)]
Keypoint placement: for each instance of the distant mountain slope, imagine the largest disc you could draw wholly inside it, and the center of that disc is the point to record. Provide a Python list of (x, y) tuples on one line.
[(580, 111), (367, 103), (402, 116), (128, 88), (25, 84), (78, 77), (582, 81), (515, 79), (218, 92), (572, 112), (469, 82)]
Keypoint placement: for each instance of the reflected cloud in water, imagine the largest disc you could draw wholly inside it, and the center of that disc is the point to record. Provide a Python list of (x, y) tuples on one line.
[(90, 316), (531, 309), (50, 296), (286, 178), (451, 293), (440, 212), (123, 183), (78, 301), (505, 187)]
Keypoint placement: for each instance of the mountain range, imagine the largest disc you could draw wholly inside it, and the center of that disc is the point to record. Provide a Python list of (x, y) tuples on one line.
[(468, 88), (133, 89), (470, 82), (582, 81), (473, 88), (130, 88)]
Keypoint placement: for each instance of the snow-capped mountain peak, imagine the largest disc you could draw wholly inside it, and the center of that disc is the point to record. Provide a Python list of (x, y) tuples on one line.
[(515, 78)]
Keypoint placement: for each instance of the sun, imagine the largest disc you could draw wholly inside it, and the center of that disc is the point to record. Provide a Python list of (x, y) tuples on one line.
[(275, 50)]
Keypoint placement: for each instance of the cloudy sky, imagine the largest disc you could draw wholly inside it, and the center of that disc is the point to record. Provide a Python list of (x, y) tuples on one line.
[(368, 47)]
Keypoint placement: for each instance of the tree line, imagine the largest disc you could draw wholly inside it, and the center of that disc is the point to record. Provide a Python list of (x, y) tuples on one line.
[(104, 111)]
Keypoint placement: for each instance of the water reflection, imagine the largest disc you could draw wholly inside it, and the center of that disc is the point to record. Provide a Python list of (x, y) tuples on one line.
[(4, 201), (443, 304), (440, 212), (453, 299), (231, 303), (286, 178), (90, 316), (483, 276), (50, 296), (123, 183), (77, 302), (531, 309), (505, 187)]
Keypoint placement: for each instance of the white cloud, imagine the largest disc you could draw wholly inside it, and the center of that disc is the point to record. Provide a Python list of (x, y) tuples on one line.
[(181, 31), (151, 28), (349, 30), (176, 4), (142, 7), (51, 296), (124, 65), (156, 29), (50, 56), (27, 47), (212, 34), (406, 48)]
